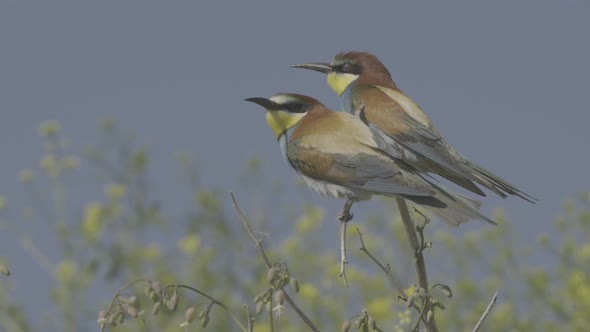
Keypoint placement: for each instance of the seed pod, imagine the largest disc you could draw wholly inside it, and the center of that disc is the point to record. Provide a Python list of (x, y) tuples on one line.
[(429, 316), (294, 284), (173, 301), (134, 301), (156, 308), (147, 290), (130, 310), (345, 326), (258, 298), (280, 296), (157, 287), (153, 296), (259, 307), (372, 324), (102, 317), (190, 314), (270, 274), (358, 323), (112, 320), (204, 312), (421, 291), (205, 321), (410, 300)]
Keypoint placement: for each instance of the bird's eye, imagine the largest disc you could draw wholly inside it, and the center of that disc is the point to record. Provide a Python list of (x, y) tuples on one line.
[(346, 67)]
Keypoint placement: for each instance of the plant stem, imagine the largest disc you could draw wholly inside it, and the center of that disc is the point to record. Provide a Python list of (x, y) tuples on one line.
[(268, 264), (417, 246)]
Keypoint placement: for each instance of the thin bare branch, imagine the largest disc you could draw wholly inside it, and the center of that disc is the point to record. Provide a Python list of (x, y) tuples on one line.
[(268, 264), (343, 260), (344, 216), (418, 247), (486, 312), (250, 318), (387, 270), (213, 301)]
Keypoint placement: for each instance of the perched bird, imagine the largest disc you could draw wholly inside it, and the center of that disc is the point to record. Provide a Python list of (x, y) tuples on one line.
[(339, 156), (368, 91)]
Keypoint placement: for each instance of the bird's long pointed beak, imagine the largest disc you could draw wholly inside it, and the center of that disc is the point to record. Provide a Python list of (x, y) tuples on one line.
[(322, 67), (264, 102)]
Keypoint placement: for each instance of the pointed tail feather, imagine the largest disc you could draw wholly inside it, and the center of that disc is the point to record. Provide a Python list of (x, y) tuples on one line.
[(458, 208), (496, 184)]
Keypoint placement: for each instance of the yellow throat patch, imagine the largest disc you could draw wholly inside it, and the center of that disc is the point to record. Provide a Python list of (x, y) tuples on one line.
[(281, 121), (340, 81)]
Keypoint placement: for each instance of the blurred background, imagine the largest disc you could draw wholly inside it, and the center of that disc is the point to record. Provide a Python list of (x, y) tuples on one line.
[(124, 128)]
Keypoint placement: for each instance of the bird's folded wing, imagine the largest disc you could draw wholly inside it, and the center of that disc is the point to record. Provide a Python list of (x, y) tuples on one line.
[(400, 119), (366, 171)]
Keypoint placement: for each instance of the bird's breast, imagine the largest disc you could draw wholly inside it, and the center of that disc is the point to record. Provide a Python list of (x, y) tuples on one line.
[(336, 191)]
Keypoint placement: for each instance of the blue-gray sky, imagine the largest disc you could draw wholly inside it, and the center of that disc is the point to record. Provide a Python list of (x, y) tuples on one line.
[(505, 82)]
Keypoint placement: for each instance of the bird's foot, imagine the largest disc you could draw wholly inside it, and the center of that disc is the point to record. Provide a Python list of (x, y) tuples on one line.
[(345, 216)]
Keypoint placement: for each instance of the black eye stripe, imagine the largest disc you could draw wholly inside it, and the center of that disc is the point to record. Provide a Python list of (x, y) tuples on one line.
[(348, 68), (297, 107)]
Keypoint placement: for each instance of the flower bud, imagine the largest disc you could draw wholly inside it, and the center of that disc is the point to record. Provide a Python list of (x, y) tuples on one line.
[(280, 296), (172, 303), (190, 314)]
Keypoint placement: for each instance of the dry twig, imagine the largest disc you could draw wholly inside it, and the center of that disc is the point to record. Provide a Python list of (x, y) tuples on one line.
[(268, 264)]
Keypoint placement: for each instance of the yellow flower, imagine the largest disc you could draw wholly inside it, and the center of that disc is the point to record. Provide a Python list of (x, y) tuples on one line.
[(49, 128), (152, 251), (189, 244), (26, 175), (2, 202), (380, 307), (66, 271), (115, 191), (92, 222), (49, 164), (70, 162), (310, 220), (308, 291)]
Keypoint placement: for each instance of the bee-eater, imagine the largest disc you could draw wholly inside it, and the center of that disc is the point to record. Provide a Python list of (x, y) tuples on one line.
[(368, 91), (339, 156)]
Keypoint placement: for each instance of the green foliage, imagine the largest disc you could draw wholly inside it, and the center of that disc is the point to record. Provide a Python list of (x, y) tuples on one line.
[(120, 233)]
